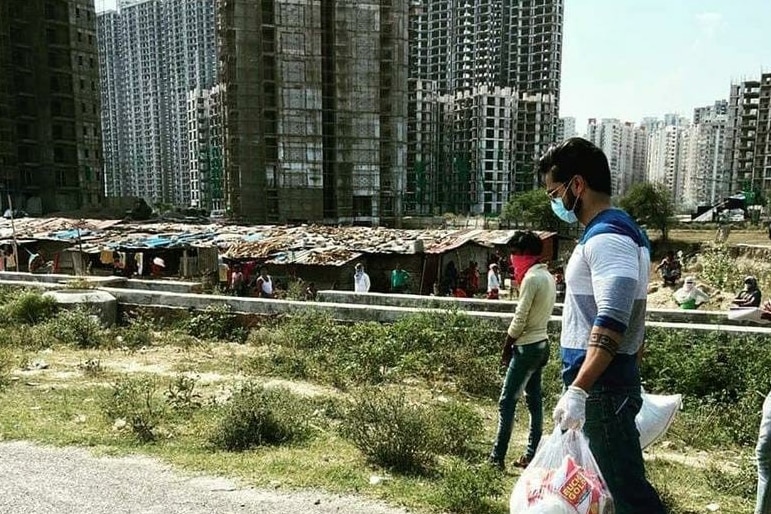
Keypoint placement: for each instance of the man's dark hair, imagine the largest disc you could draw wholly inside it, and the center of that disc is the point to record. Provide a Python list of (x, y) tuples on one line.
[(577, 156), (527, 242)]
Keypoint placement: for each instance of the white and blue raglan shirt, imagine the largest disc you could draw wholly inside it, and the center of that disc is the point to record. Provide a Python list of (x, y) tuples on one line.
[(607, 286)]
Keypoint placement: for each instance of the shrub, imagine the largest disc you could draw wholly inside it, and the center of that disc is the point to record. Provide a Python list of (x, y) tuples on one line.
[(6, 365), (280, 361), (455, 427), (723, 377), (470, 489), (77, 327), (28, 307), (216, 322), (138, 333), (181, 394), (390, 431), (719, 268), (256, 416), (135, 401)]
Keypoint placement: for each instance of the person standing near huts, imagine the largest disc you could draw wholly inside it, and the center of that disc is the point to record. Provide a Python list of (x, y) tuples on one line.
[(264, 284), (361, 282), (399, 279)]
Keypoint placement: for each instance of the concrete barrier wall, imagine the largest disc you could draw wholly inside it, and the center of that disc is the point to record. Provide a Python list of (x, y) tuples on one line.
[(505, 306), (351, 311), (99, 281), (367, 307)]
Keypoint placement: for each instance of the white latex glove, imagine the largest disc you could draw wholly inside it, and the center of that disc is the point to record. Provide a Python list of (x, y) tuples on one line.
[(570, 411)]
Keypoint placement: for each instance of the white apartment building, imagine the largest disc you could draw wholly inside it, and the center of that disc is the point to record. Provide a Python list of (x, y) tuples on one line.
[(705, 182), (566, 128), (622, 143), (204, 118), (667, 152), (152, 53)]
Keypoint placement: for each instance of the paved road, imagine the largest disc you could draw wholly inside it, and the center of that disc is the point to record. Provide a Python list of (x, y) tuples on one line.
[(43, 480)]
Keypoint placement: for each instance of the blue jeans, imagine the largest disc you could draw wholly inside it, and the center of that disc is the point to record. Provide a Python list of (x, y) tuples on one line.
[(763, 453), (615, 444), (523, 375)]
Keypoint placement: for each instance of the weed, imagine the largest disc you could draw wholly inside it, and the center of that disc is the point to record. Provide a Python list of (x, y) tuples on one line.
[(455, 427), (740, 481), (6, 365), (181, 394), (138, 333), (77, 327), (389, 430), (28, 307), (718, 267), (470, 489), (215, 322), (135, 400), (256, 416)]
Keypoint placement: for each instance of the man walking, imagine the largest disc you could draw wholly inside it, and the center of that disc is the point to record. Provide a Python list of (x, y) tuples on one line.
[(763, 448), (526, 349), (603, 320), (361, 282)]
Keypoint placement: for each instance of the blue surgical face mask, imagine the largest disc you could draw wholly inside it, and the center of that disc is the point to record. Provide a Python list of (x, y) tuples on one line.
[(559, 209)]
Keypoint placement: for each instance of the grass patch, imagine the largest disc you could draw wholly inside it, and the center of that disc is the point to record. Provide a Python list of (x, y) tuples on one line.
[(399, 408)]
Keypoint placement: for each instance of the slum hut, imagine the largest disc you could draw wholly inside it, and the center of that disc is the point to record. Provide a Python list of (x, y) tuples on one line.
[(310, 254), (50, 237), (187, 254), (460, 247)]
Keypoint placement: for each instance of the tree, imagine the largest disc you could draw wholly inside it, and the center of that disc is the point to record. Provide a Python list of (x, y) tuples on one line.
[(532, 207), (650, 204)]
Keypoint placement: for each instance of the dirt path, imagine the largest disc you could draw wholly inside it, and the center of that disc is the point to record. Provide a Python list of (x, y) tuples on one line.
[(44, 480)]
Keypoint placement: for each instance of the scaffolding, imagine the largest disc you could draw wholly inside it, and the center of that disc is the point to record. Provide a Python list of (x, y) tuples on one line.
[(328, 109)]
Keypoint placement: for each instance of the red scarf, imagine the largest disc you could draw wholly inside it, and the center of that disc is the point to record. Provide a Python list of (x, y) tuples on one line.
[(522, 263)]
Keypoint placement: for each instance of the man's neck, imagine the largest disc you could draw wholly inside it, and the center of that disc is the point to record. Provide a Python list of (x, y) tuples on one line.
[(592, 208)]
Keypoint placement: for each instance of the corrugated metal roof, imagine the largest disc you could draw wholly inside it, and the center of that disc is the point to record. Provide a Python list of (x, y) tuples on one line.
[(306, 244)]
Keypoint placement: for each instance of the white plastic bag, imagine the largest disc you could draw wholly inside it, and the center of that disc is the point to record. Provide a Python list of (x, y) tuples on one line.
[(563, 478), (752, 314), (656, 416)]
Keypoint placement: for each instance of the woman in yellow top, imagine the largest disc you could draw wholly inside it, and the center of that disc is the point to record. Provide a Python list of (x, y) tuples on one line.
[(526, 349)]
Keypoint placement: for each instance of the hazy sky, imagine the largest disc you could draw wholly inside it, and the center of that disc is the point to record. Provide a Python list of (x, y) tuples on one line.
[(633, 58)]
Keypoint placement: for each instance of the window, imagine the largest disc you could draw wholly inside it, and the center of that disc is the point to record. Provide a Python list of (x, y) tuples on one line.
[(362, 206)]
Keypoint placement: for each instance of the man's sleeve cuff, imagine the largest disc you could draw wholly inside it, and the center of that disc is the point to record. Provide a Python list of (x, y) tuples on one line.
[(610, 324)]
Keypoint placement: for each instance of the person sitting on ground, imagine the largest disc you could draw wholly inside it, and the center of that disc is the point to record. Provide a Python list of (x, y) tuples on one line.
[(264, 284), (690, 296), (493, 282), (670, 269), (750, 296)]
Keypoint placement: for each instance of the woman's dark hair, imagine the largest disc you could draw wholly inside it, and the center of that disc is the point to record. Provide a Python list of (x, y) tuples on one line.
[(577, 156), (527, 242)]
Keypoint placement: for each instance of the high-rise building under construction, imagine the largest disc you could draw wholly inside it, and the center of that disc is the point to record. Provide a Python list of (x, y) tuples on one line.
[(493, 67), (50, 151), (314, 109)]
